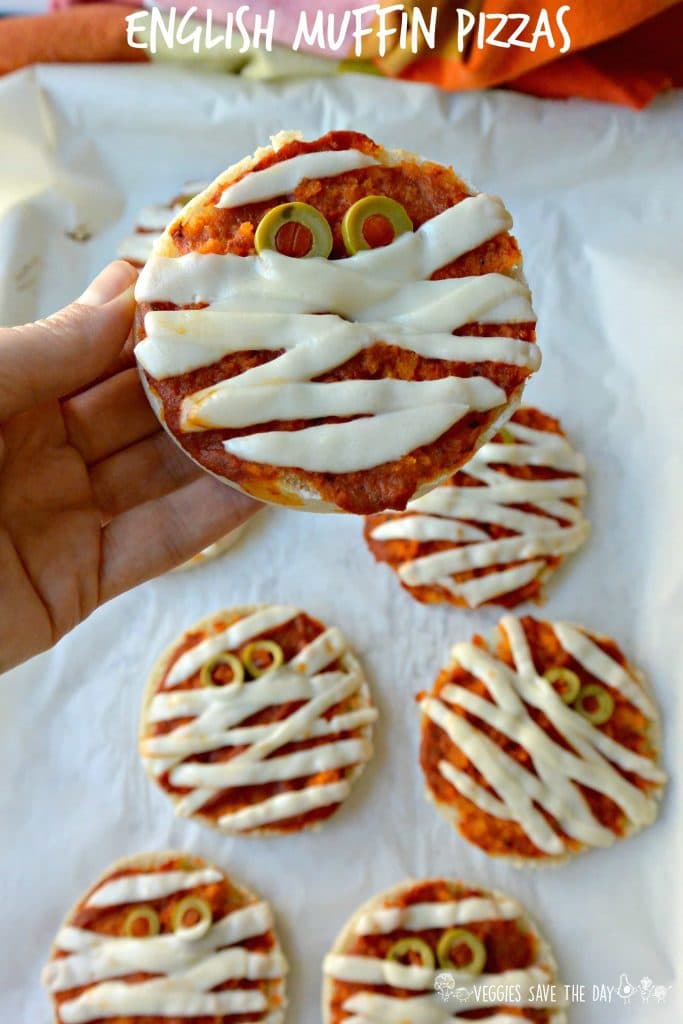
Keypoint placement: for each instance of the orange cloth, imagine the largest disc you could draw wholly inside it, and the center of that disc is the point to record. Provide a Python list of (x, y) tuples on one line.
[(622, 51), (94, 32)]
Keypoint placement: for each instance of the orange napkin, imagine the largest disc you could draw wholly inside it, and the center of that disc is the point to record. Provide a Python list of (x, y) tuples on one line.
[(623, 51), (93, 32)]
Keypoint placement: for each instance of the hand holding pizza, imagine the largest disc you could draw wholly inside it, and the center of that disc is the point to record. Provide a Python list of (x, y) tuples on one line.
[(94, 497)]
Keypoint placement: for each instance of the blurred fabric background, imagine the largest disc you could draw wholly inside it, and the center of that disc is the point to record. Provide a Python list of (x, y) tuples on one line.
[(623, 51)]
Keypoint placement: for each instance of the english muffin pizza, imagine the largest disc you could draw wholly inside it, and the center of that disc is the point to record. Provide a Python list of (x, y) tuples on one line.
[(257, 720), (430, 952), (497, 529), (165, 937), (542, 742), (335, 326)]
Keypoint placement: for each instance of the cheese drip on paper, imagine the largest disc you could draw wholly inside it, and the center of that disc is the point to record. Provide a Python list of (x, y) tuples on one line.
[(216, 715), (380, 295), (509, 791), (430, 1003), (554, 527), (186, 968)]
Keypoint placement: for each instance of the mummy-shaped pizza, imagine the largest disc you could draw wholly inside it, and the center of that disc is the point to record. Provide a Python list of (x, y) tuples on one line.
[(152, 221), (431, 952), (257, 721), (335, 326), (542, 742), (495, 530), (167, 936)]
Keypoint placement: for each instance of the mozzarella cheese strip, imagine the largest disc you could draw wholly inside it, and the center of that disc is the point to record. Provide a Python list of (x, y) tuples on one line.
[(185, 970), (372, 1008), (370, 970), (595, 760), (446, 514), (216, 715), (141, 887), (381, 295), (419, 917), (282, 178)]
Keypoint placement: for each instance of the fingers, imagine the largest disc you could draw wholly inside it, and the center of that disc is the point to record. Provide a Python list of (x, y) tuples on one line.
[(157, 536), (109, 417), (147, 470), (54, 357)]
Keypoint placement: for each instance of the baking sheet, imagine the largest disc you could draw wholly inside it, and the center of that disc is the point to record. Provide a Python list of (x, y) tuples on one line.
[(596, 196)]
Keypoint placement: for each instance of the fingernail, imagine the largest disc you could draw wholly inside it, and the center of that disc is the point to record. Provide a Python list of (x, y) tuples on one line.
[(112, 281)]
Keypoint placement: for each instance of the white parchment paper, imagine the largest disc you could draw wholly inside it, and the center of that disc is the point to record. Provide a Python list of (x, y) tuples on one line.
[(597, 196)]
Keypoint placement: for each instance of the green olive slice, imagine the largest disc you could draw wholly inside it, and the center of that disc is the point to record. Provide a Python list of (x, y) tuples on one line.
[(506, 436), (372, 222), (137, 916), (461, 937), (253, 655), (234, 663), (200, 917), (410, 945), (294, 229), (600, 703), (570, 683)]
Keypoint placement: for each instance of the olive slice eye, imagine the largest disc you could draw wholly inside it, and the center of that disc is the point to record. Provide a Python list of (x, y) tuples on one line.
[(455, 937), (261, 656), (570, 684), (141, 923), (594, 703), (405, 947), (211, 673), (506, 436), (294, 229), (192, 917), (373, 222)]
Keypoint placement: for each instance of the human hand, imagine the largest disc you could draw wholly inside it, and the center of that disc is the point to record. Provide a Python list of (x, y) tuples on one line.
[(94, 497)]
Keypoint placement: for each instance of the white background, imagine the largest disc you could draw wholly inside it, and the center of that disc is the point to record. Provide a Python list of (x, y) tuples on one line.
[(596, 196)]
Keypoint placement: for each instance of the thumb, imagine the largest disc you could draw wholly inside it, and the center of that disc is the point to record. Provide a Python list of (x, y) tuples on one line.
[(53, 357)]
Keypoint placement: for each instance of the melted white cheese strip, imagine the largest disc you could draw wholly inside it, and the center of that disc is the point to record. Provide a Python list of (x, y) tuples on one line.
[(235, 635), (152, 221), (555, 786), (137, 247), (349, 447), (377, 295), (141, 887), (185, 971), (216, 714), (282, 178), (442, 514), (419, 917), (370, 970), (238, 405), (214, 334), (373, 1008)]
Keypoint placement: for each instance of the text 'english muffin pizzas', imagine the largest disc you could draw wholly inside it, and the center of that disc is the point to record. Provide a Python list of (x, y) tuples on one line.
[(335, 326), (494, 531), (541, 743), (167, 937), (433, 951), (257, 721)]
